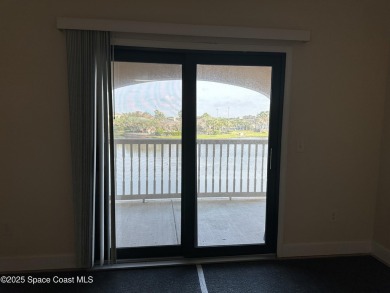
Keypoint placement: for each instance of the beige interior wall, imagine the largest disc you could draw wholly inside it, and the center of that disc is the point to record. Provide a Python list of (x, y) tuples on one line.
[(35, 191), (336, 107), (382, 214)]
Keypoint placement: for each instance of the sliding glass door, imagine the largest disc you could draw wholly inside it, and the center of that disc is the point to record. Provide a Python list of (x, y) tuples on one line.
[(233, 106), (197, 143), (147, 129)]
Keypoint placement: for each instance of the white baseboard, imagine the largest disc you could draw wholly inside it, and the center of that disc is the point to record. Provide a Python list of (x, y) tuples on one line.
[(41, 262), (381, 253), (324, 248)]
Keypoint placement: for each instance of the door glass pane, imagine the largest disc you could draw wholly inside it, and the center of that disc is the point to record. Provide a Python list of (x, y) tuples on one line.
[(233, 106), (147, 137)]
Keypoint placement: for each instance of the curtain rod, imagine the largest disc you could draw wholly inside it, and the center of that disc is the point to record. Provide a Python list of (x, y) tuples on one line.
[(125, 26)]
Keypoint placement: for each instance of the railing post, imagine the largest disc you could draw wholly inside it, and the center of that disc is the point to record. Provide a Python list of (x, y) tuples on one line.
[(177, 168), (212, 178), (162, 168), (234, 170), (249, 161), (262, 165), (205, 172), (154, 168), (123, 169), (169, 170), (227, 167), (220, 167), (256, 149), (147, 170), (139, 170), (199, 158)]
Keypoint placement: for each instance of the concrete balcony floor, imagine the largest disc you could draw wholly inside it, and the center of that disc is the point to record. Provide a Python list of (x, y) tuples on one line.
[(220, 222)]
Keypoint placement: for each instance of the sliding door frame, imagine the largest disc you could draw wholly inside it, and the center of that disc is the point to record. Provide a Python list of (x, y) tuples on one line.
[(189, 59)]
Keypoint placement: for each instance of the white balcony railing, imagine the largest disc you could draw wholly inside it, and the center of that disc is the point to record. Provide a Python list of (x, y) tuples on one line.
[(151, 168)]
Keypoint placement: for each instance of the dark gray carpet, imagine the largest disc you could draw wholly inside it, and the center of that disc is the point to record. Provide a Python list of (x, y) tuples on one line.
[(167, 279), (342, 274), (337, 274)]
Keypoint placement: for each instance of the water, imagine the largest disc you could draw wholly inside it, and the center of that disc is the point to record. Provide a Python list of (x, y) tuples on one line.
[(156, 169)]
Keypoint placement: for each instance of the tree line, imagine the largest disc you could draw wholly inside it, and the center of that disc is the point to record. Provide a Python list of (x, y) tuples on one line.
[(159, 124)]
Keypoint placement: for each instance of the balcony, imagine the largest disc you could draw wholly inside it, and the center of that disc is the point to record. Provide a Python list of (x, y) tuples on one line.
[(231, 191)]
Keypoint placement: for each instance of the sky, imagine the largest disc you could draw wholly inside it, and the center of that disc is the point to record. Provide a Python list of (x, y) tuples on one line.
[(216, 99)]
